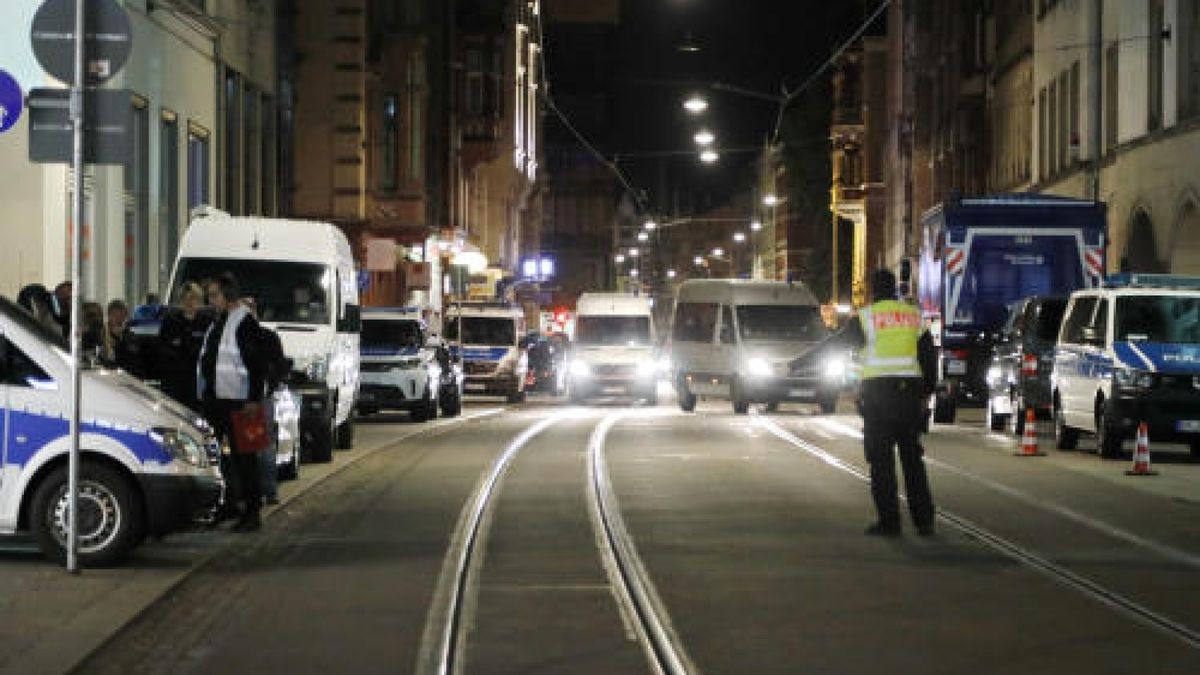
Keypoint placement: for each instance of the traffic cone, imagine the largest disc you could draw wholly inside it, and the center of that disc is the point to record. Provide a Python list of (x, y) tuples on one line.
[(1141, 454), (1029, 441)]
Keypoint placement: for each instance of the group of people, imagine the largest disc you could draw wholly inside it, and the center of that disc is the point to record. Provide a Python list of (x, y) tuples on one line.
[(210, 353)]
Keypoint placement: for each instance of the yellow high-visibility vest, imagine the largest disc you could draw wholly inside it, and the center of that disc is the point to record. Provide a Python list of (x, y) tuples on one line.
[(892, 329)]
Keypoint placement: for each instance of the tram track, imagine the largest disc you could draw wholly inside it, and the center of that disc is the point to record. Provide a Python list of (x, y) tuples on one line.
[(443, 644)]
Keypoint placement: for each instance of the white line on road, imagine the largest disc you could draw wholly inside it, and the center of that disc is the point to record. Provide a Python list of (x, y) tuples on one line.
[(1056, 573)]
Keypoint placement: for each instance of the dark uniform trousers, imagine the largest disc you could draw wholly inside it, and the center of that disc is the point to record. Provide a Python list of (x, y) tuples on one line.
[(893, 417)]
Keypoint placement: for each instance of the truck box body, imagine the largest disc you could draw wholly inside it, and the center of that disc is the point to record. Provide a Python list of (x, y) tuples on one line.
[(981, 255)]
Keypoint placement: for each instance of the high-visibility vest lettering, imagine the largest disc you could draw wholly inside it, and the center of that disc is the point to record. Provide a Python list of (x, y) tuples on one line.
[(892, 329)]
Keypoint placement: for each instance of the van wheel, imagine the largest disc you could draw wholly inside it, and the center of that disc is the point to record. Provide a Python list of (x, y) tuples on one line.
[(772, 406), (740, 405), (291, 470), (828, 404), (1065, 437), (516, 397), (1108, 438), (317, 444), (111, 518), (687, 400), (1195, 449), (943, 409), (451, 405), (995, 421), (345, 434)]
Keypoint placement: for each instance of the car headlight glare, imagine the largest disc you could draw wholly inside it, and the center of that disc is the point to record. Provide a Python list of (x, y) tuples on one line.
[(181, 446), (647, 368), (580, 369), (835, 368), (758, 367), (993, 375)]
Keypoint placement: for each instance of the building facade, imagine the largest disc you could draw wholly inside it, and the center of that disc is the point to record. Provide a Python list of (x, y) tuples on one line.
[(203, 96)]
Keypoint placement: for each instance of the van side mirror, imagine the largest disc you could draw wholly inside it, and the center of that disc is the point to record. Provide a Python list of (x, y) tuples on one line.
[(351, 320)]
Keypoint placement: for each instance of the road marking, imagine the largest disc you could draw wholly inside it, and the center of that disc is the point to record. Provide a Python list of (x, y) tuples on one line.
[(641, 607), (1059, 574)]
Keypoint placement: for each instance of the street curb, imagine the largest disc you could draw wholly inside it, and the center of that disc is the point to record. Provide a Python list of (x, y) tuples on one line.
[(92, 629)]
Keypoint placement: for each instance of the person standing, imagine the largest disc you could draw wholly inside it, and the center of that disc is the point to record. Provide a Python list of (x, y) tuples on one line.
[(278, 369), (232, 377), (898, 373), (180, 340)]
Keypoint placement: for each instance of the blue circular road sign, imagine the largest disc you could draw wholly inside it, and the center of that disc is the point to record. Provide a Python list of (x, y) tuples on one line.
[(12, 101)]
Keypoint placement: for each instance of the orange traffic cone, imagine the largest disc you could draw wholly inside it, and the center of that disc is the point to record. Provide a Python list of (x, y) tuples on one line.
[(1029, 440), (1141, 454)]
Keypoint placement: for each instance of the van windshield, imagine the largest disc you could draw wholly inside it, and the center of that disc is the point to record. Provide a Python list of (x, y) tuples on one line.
[(389, 335), (625, 331), (284, 292), (482, 330), (1049, 319), (1164, 318), (783, 323)]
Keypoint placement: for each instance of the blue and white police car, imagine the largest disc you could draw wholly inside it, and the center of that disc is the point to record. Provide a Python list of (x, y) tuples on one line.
[(1127, 353), (403, 367), (148, 464), (489, 337)]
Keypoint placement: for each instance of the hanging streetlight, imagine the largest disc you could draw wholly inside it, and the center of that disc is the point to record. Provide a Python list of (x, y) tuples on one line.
[(709, 157), (695, 104), (755, 225), (704, 137)]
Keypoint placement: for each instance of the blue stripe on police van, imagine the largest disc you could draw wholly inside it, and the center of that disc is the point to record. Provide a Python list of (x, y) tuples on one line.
[(481, 353), (1175, 359), (38, 430)]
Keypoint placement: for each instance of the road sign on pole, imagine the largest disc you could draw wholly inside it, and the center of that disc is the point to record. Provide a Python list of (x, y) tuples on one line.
[(68, 50), (107, 121), (11, 101), (107, 44)]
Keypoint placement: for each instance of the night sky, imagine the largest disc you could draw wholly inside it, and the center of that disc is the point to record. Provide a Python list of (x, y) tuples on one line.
[(752, 44)]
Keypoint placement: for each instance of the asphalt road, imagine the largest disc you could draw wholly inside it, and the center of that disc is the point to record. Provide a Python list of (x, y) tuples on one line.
[(614, 539)]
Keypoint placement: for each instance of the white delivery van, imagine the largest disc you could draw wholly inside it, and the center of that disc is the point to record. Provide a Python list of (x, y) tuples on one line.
[(401, 368), (489, 339), (737, 339), (614, 349), (301, 274), (148, 464)]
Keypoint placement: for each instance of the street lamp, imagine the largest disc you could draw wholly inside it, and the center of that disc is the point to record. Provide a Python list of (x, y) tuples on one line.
[(634, 252), (650, 225), (643, 236), (698, 261), (619, 258), (704, 137), (770, 199), (755, 225), (670, 274), (634, 273), (739, 237), (718, 252), (695, 104), (709, 157)]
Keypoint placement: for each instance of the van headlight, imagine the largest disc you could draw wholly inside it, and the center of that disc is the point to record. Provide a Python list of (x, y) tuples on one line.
[(580, 369), (993, 376), (181, 446), (835, 368), (758, 367), (1128, 378), (647, 368)]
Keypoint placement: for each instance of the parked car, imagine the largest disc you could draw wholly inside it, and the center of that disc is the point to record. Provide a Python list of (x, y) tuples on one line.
[(1129, 353), (400, 366), (1019, 375)]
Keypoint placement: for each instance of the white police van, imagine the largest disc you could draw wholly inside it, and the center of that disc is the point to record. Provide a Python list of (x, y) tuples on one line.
[(614, 350), (148, 463), (1129, 352), (400, 366), (489, 337)]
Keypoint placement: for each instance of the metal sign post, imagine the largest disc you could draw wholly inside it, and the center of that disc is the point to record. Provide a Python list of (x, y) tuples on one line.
[(77, 92), (61, 45)]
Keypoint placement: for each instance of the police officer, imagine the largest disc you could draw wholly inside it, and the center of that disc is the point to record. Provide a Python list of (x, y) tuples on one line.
[(898, 372)]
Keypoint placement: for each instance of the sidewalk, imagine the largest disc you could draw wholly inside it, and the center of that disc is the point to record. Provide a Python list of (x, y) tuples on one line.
[(51, 620)]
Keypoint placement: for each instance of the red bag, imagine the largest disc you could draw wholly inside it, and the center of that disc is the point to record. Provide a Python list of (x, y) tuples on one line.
[(251, 434)]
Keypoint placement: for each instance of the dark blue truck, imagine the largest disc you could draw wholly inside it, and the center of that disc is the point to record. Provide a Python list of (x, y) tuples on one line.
[(981, 255)]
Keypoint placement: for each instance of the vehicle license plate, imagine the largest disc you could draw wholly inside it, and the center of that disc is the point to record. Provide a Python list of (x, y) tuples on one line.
[(801, 393), (613, 390), (475, 386), (1189, 426), (956, 367)]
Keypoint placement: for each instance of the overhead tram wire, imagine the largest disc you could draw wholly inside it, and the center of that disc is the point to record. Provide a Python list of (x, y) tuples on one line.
[(791, 95)]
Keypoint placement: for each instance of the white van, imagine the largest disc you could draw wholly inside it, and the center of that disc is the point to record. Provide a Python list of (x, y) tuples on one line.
[(489, 337), (301, 274), (736, 339), (148, 463), (614, 348)]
